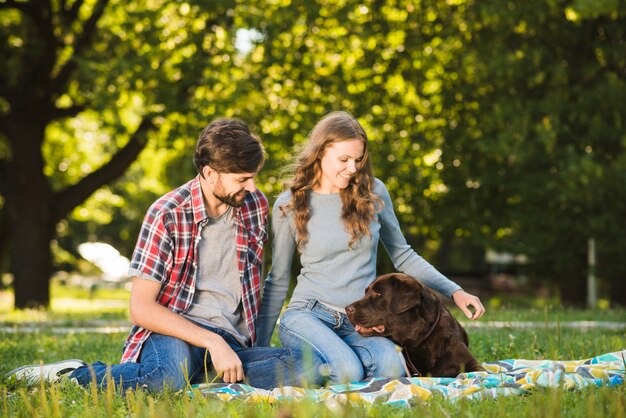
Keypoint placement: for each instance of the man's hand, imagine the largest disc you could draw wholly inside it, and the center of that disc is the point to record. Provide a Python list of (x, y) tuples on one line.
[(225, 360), (464, 299)]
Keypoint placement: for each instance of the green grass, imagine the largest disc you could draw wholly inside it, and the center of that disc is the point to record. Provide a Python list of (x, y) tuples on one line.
[(61, 400), (70, 304), (79, 304)]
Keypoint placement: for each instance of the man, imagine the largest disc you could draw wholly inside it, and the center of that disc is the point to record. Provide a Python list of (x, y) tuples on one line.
[(196, 281)]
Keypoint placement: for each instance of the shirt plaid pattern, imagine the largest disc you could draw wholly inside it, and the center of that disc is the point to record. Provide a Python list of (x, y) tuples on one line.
[(166, 250)]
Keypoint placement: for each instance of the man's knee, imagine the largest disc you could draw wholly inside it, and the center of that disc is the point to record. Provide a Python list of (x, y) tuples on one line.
[(165, 363), (159, 378)]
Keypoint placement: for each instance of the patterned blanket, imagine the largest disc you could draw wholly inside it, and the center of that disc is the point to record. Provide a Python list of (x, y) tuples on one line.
[(502, 378)]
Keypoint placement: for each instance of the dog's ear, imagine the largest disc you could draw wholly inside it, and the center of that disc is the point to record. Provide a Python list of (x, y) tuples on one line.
[(407, 294)]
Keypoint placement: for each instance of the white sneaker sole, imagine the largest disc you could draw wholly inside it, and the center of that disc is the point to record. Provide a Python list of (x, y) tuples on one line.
[(50, 372)]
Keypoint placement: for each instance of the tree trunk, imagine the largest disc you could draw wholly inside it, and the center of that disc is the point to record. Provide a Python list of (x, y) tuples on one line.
[(29, 207), (31, 261), (5, 234)]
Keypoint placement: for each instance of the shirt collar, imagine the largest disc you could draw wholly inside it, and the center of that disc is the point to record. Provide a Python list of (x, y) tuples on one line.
[(197, 203)]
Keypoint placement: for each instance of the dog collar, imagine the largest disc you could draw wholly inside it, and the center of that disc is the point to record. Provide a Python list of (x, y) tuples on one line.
[(412, 369)]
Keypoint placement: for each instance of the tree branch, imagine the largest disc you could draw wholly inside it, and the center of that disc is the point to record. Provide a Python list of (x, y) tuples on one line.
[(12, 4), (83, 41), (71, 14), (66, 112), (72, 196)]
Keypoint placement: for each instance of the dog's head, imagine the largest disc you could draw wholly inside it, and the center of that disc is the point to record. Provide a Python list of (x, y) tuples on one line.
[(391, 303)]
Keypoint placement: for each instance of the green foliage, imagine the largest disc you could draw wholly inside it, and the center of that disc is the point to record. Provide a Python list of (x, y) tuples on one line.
[(494, 124), (537, 116)]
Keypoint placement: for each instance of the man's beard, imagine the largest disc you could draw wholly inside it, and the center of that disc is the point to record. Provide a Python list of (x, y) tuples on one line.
[(234, 199)]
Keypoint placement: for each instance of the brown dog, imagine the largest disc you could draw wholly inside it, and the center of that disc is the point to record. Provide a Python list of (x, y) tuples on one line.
[(401, 308)]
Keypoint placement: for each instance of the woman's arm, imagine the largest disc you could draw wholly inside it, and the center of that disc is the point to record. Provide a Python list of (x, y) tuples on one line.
[(277, 282), (406, 260)]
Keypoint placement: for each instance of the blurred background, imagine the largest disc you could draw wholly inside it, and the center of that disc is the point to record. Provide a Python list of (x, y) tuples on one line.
[(498, 126)]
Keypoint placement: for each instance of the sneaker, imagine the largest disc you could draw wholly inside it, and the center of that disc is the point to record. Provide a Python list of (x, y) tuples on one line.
[(48, 372)]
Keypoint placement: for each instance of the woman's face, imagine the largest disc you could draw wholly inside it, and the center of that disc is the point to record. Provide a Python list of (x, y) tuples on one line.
[(340, 162)]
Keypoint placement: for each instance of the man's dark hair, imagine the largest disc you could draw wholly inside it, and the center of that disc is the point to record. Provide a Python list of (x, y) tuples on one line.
[(227, 146)]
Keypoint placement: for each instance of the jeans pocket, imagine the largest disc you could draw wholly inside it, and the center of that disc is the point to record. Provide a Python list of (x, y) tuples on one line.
[(299, 305)]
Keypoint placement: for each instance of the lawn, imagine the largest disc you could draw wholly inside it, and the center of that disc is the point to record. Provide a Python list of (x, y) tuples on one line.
[(71, 308)]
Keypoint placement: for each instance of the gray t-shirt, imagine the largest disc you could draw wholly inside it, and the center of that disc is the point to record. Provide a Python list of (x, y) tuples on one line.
[(217, 297), (332, 272)]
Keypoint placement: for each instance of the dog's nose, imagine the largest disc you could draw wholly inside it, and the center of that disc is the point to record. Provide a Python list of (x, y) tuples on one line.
[(350, 309)]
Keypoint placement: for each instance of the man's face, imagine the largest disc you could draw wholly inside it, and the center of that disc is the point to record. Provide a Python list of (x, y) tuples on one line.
[(231, 188)]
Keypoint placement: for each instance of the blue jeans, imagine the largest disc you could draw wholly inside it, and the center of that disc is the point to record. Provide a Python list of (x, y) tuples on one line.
[(351, 357), (168, 362)]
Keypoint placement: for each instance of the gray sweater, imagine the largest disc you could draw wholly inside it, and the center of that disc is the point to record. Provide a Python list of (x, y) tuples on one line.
[(332, 272)]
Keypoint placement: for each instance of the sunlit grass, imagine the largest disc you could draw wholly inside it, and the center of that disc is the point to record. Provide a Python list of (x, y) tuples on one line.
[(70, 303), (77, 303), (65, 399), (548, 313), (77, 306)]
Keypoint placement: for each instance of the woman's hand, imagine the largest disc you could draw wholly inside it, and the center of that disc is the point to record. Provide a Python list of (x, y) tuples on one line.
[(464, 299)]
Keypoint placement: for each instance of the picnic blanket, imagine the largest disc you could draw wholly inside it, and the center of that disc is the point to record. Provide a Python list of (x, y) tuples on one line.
[(502, 378)]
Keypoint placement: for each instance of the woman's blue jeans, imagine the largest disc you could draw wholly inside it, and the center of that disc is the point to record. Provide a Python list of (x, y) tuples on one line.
[(349, 356), (168, 362)]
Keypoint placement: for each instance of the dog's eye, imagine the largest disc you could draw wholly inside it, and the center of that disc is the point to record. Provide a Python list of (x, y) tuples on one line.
[(375, 293)]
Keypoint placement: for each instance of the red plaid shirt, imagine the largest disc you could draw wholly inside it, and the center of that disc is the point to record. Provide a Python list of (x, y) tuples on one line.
[(166, 250)]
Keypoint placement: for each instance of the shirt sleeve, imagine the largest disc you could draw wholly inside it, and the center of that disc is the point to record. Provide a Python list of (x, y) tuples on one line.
[(152, 258), (404, 258), (277, 282)]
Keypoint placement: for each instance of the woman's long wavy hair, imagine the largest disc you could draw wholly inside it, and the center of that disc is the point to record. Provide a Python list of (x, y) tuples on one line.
[(359, 202)]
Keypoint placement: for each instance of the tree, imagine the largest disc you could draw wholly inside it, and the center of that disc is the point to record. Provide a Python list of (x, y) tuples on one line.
[(493, 126), (123, 67), (384, 62), (536, 130)]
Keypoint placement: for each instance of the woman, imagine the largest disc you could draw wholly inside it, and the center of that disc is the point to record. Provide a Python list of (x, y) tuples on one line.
[(334, 212)]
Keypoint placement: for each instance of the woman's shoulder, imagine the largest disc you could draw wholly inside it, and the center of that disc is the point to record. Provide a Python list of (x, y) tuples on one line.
[(379, 188), (283, 198), (281, 215)]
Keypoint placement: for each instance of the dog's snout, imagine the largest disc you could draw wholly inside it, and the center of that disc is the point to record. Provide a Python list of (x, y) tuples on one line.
[(350, 309)]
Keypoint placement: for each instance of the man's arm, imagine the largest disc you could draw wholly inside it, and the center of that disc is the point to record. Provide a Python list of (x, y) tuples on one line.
[(146, 312)]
